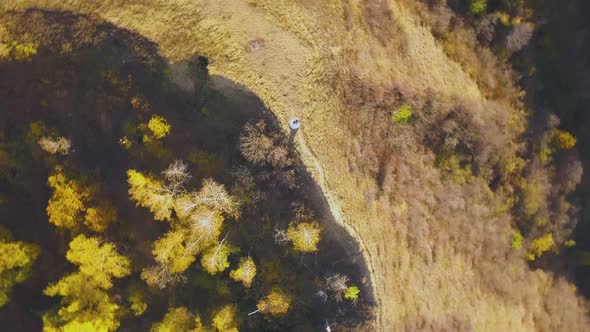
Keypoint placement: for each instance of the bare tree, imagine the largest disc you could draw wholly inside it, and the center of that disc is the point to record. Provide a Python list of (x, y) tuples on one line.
[(322, 295), (59, 145), (177, 175), (336, 284), (280, 236), (214, 195), (161, 277)]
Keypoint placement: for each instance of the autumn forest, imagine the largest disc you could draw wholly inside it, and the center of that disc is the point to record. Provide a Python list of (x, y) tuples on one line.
[(129, 203)]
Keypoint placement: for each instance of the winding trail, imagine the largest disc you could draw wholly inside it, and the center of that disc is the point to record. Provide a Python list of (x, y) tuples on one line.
[(315, 168)]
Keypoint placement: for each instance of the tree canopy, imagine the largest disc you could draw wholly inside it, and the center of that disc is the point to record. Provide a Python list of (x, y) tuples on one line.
[(86, 302), (67, 201), (245, 272), (276, 303), (16, 259), (305, 236)]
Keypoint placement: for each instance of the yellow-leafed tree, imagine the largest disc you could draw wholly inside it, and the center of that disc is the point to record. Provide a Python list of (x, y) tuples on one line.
[(16, 259), (540, 246), (150, 193), (100, 261), (305, 236), (100, 217), (170, 250), (86, 302), (159, 127), (224, 319), (175, 320), (83, 305), (276, 303), (67, 201), (245, 272), (215, 259)]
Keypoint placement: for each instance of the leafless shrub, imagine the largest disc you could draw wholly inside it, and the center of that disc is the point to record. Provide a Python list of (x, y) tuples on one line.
[(244, 188), (177, 171), (177, 175), (279, 156), (486, 28), (336, 285), (255, 145), (322, 295), (301, 213), (259, 148), (59, 145), (214, 195), (280, 236), (519, 37), (560, 302)]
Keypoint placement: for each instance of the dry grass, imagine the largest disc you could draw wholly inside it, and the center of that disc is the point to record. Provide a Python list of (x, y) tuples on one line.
[(437, 261)]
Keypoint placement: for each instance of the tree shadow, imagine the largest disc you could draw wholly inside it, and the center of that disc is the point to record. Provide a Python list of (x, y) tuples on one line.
[(98, 84)]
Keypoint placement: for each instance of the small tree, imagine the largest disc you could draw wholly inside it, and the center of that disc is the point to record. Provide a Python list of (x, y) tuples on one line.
[(477, 7), (16, 259), (86, 304), (215, 196), (225, 320), (137, 300), (175, 320), (170, 250), (276, 303), (280, 236), (176, 176), (215, 259), (150, 193), (540, 246), (245, 272), (67, 201), (159, 128), (402, 115), (100, 217), (51, 145), (352, 293), (336, 284), (305, 236), (99, 261), (161, 277), (563, 139)]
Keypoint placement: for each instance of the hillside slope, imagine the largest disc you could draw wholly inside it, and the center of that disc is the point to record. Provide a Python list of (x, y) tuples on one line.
[(439, 255)]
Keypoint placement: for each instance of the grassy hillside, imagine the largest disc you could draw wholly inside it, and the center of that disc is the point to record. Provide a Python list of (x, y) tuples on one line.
[(430, 200)]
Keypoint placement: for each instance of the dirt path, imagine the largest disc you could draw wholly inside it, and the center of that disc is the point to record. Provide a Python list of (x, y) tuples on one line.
[(315, 168)]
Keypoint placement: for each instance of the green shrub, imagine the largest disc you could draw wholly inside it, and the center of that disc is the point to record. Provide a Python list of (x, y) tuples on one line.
[(352, 293), (516, 240), (402, 115), (477, 7)]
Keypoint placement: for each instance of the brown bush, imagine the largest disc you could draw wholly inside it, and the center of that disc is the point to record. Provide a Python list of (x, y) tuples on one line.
[(261, 148)]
